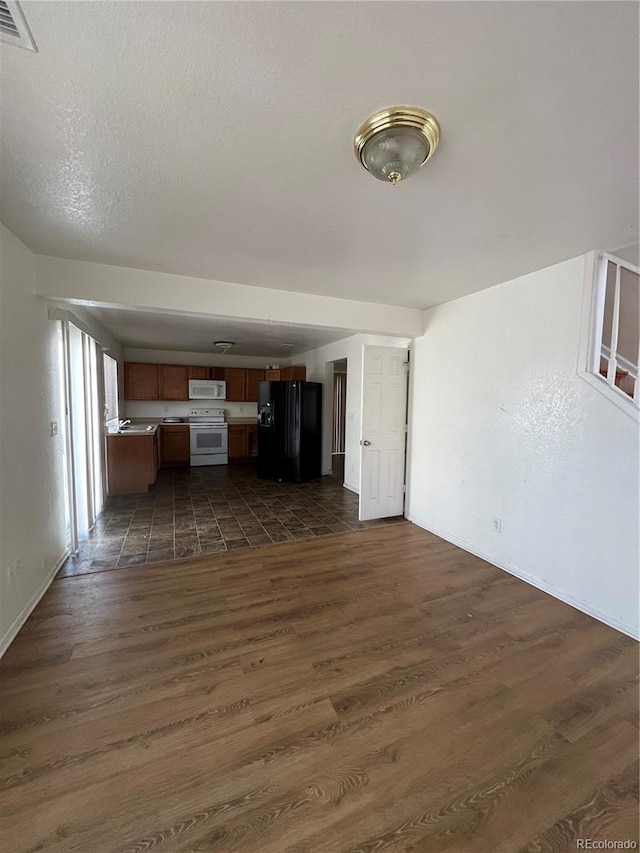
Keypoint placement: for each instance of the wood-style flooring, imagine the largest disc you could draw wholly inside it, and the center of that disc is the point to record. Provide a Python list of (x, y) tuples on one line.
[(378, 690)]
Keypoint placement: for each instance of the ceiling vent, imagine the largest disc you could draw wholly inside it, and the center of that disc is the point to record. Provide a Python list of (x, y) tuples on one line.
[(13, 26)]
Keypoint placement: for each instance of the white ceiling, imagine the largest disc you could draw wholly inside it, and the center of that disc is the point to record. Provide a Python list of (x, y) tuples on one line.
[(197, 333), (214, 139)]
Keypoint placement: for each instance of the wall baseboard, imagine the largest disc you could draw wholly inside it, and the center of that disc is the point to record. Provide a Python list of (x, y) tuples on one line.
[(539, 583), (12, 632), (351, 488)]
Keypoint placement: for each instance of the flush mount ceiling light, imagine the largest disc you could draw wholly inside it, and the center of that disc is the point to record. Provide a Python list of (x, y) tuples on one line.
[(393, 143), (287, 346), (225, 346)]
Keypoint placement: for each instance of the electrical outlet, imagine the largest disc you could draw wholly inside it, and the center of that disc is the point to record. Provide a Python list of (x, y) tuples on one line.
[(165, 409), (241, 410), (496, 524), (54, 428)]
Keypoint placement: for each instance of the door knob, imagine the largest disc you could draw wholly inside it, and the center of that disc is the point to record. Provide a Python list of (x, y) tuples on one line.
[(366, 443)]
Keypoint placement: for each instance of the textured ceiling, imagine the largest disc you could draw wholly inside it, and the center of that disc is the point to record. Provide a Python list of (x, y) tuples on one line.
[(197, 333), (215, 140)]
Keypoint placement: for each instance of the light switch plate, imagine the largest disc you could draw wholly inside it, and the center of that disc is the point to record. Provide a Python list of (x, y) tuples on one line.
[(54, 428)]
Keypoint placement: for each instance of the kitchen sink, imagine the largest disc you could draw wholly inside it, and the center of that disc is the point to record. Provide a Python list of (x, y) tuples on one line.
[(138, 428)]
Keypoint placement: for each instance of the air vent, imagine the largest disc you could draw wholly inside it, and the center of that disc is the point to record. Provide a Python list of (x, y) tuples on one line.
[(13, 26)]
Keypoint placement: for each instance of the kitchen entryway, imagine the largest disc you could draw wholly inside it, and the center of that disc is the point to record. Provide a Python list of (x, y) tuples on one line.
[(203, 511)]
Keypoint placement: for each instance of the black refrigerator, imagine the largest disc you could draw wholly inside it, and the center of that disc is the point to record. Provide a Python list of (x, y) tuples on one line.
[(290, 430)]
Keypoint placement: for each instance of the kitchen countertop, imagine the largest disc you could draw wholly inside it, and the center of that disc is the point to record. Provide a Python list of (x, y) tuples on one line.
[(253, 420), (136, 428)]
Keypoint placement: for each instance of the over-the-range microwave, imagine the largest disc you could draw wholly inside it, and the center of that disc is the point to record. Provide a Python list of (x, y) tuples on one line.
[(207, 389)]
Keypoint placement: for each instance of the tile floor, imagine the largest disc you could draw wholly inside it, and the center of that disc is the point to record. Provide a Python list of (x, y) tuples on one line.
[(200, 511)]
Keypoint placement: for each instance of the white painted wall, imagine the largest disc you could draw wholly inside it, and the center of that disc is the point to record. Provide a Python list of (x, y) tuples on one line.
[(503, 426), (58, 278), (630, 253), (31, 474), (318, 370), (161, 409)]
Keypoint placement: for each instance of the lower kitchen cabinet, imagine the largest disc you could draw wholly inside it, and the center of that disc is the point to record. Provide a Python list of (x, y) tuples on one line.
[(174, 444), (132, 463), (237, 442), (243, 442)]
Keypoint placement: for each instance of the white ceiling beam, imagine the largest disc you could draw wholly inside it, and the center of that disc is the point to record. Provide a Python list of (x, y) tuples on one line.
[(107, 285)]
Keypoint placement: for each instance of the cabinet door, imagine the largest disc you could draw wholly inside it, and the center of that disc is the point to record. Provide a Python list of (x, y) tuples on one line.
[(253, 377), (199, 372), (140, 381), (235, 378), (237, 441), (174, 381), (298, 372), (272, 375), (175, 445), (216, 373)]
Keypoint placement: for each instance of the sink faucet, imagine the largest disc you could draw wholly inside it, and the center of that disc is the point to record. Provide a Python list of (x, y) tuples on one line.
[(123, 424)]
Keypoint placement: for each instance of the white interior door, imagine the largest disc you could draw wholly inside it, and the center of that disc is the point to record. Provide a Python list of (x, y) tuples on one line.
[(382, 445)]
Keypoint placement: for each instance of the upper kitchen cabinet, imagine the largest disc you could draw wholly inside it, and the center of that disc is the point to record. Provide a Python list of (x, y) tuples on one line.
[(253, 377), (141, 381), (199, 373), (174, 381), (298, 371), (236, 379)]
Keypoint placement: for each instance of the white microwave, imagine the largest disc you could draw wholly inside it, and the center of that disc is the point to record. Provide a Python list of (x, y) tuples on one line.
[(207, 389)]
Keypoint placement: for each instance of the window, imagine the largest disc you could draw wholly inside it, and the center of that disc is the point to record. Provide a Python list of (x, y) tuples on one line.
[(110, 389)]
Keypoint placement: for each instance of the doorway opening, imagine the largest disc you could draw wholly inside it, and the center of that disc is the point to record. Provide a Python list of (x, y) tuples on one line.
[(338, 431)]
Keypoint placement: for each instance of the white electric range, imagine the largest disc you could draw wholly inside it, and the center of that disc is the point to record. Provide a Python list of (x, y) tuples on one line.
[(208, 435)]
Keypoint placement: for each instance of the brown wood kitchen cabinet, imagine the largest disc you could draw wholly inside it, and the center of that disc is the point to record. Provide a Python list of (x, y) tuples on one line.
[(132, 463), (173, 381), (298, 371), (253, 377), (175, 446), (238, 448), (199, 372), (141, 381), (236, 379)]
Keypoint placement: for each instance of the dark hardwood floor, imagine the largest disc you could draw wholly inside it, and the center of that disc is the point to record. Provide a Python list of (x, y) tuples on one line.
[(378, 690)]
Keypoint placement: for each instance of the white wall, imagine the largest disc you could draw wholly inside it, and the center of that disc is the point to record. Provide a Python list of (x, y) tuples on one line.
[(161, 409), (503, 426), (31, 473), (630, 253), (318, 370)]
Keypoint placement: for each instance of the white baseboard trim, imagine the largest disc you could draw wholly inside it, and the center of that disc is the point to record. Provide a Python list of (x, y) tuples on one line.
[(12, 632), (539, 583), (351, 489)]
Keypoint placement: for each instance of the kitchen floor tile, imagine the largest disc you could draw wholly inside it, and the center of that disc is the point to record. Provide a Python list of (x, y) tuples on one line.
[(194, 511)]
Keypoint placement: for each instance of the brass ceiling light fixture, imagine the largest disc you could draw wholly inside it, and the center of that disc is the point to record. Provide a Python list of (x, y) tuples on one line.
[(393, 143)]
